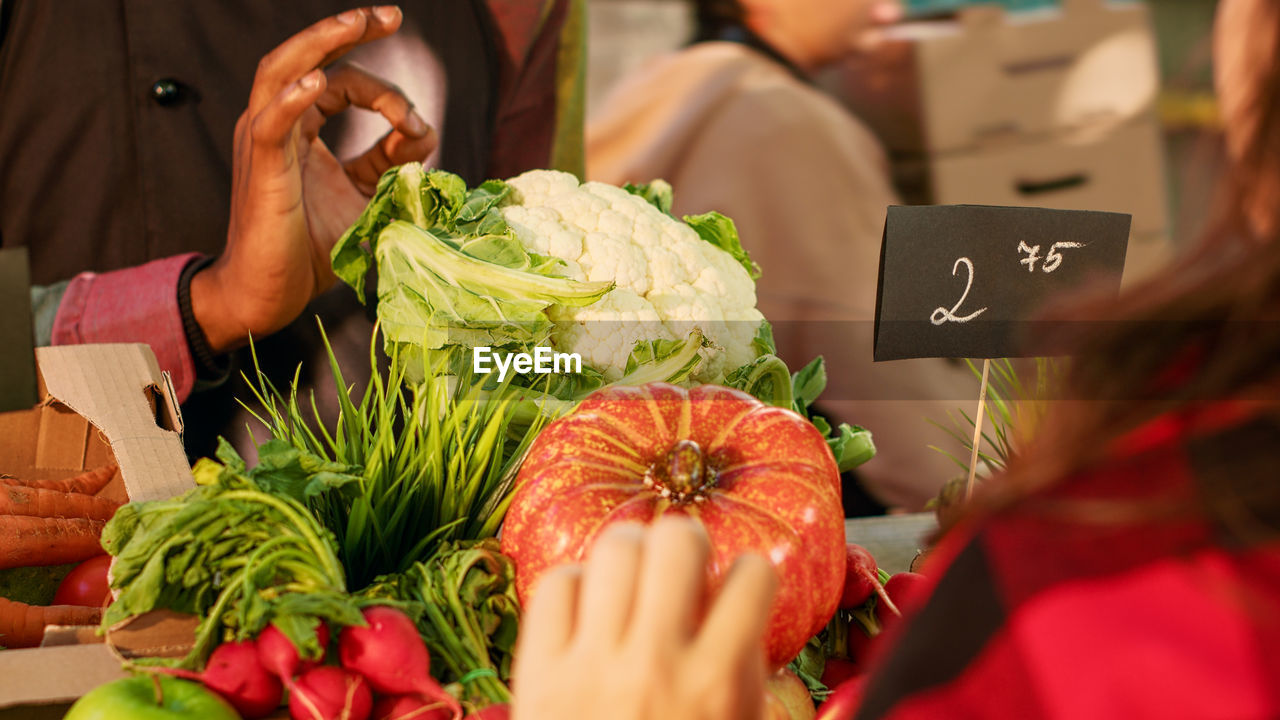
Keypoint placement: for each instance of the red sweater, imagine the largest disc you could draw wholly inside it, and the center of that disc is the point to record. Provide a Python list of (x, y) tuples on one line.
[(1051, 610)]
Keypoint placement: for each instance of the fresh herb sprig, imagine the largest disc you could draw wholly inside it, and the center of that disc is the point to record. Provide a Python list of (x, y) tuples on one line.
[(1013, 411), (437, 459)]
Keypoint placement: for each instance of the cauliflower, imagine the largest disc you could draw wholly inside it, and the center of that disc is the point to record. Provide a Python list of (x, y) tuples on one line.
[(668, 280), (543, 260)]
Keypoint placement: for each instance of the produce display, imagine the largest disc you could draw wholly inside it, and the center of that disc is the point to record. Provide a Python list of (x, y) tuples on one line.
[(355, 569)]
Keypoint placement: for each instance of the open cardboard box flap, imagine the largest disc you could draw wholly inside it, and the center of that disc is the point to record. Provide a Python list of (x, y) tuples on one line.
[(100, 404), (120, 390)]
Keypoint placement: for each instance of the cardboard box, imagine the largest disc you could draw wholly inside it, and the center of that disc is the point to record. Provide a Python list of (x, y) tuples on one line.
[(1122, 170), (987, 77), (1048, 108), (100, 404)]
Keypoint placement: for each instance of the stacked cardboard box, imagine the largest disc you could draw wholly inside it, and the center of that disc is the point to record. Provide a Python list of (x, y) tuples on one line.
[(1049, 108)]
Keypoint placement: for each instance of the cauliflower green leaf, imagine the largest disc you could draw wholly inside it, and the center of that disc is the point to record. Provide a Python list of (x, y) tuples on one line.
[(721, 232)]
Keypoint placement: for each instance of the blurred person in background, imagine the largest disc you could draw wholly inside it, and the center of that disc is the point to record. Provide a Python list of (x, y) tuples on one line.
[(734, 124), (1128, 564), (156, 211)]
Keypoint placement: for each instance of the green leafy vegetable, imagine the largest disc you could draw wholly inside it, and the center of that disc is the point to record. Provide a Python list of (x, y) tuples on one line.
[(469, 614), (658, 194), (434, 296), (453, 275), (435, 461), (851, 444), (767, 378), (721, 232), (231, 552)]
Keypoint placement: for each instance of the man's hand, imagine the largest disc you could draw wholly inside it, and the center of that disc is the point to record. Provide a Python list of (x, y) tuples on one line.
[(291, 198), (626, 638)]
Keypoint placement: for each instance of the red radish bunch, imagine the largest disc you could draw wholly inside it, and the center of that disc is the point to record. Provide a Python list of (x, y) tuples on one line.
[(387, 656), (410, 707), (235, 672), (280, 657), (390, 654), (844, 700), (330, 693), (838, 670), (907, 590), (862, 579)]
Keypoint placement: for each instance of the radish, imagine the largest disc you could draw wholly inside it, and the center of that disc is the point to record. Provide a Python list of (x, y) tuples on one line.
[(907, 590), (390, 654), (280, 657), (860, 646), (330, 693), (410, 707), (843, 702), (861, 579), (235, 672), (837, 670)]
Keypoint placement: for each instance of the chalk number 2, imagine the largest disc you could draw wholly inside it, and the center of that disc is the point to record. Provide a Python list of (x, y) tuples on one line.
[(942, 315)]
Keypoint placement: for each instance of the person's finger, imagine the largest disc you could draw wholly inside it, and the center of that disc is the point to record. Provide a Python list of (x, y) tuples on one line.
[(318, 45), (410, 139), (673, 582), (735, 624), (393, 149), (352, 85), (271, 129), (609, 584), (886, 12), (548, 622)]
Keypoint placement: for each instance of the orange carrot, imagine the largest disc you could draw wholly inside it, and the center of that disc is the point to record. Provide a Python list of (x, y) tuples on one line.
[(30, 541), (22, 625), (35, 502), (89, 482)]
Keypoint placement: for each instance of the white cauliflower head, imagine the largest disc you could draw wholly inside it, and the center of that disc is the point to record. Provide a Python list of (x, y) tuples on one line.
[(668, 279)]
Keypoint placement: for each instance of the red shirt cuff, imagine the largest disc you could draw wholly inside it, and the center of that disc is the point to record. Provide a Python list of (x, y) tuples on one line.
[(137, 304)]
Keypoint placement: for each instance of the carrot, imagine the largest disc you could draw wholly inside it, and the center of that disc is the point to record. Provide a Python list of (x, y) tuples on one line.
[(37, 502), (30, 541), (89, 482), (22, 625)]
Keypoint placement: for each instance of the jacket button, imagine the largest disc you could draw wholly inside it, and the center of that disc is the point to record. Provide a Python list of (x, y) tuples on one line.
[(166, 91)]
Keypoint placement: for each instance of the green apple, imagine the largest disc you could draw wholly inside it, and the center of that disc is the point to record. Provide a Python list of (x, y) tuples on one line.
[(137, 698), (787, 698)]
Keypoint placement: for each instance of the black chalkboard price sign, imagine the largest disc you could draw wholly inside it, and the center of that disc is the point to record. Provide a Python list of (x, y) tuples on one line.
[(960, 281)]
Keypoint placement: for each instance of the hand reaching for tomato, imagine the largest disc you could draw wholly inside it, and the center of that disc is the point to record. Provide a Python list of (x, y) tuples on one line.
[(623, 636)]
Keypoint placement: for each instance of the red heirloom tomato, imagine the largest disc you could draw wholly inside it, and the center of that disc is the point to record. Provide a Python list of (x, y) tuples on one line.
[(759, 478)]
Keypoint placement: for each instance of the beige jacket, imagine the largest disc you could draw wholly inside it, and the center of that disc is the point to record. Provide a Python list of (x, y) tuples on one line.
[(807, 185)]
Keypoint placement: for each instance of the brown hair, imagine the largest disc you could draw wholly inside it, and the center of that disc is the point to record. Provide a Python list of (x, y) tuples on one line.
[(1205, 330)]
